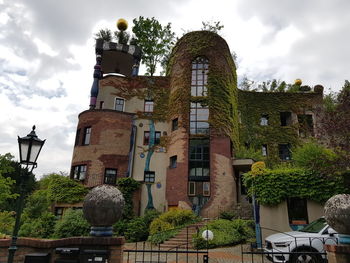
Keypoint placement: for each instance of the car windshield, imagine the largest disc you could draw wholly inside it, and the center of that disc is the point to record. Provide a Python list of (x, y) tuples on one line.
[(315, 226)]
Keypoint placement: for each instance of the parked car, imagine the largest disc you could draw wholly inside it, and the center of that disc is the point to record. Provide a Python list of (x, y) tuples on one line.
[(306, 244)]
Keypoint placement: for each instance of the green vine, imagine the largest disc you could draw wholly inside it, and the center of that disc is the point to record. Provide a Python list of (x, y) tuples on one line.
[(274, 186)]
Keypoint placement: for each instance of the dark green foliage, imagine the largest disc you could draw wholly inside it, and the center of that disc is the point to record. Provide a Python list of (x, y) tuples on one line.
[(155, 40), (72, 224), (162, 236), (36, 204), (213, 26), (315, 157), (40, 227), (228, 215), (136, 230), (104, 34), (274, 186), (120, 227), (225, 232), (128, 186), (7, 221), (65, 190)]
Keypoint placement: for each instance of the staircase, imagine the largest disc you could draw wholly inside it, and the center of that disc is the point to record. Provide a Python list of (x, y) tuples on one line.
[(183, 239)]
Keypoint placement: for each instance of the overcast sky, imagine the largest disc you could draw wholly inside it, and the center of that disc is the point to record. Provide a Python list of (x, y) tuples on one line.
[(47, 54)]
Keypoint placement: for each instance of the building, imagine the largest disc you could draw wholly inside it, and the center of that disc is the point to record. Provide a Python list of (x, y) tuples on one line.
[(181, 134)]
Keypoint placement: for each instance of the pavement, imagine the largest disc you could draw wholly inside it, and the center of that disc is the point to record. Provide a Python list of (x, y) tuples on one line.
[(231, 254)]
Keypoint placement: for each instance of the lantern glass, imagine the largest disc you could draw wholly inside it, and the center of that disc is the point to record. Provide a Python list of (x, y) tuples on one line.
[(29, 148)]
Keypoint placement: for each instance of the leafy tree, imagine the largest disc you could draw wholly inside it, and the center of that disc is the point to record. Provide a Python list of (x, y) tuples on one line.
[(104, 34), (6, 182), (335, 123), (213, 26), (72, 224), (7, 221), (40, 227), (155, 40)]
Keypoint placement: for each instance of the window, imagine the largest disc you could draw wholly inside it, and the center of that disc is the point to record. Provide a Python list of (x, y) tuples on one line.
[(175, 124), (191, 188), (199, 119), (199, 77), (79, 172), (146, 137), (306, 125), (77, 138), (102, 103), (173, 161), (264, 150), (119, 104), (110, 176), (284, 152), (58, 212), (264, 120), (149, 177), (297, 211), (199, 159), (149, 105), (87, 135), (206, 188), (286, 118)]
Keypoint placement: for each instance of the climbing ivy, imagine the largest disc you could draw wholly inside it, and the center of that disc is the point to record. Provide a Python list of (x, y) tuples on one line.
[(273, 186), (128, 186)]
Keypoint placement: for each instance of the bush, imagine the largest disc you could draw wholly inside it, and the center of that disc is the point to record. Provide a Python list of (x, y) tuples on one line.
[(72, 224), (41, 227), (136, 230), (7, 221), (178, 217), (150, 215), (225, 232), (160, 237), (120, 227), (158, 225), (228, 215)]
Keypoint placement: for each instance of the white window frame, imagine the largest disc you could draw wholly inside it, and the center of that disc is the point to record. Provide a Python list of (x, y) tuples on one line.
[(115, 103)]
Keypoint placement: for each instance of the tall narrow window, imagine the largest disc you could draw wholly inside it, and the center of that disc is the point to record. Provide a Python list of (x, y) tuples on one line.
[(87, 135), (110, 176), (199, 118), (102, 103), (286, 118), (173, 161), (191, 188), (157, 135), (264, 150), (175, 124), (264, 120), (149, 105), (199, 159), (284, 151), (77, 138), (119, 104), (206, 188), (199, 77)]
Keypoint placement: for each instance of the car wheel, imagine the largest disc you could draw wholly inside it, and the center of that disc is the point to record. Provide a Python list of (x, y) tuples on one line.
[(305, 257)]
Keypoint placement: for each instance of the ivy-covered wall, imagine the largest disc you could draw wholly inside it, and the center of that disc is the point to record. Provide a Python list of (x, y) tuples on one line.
[(252, 105)]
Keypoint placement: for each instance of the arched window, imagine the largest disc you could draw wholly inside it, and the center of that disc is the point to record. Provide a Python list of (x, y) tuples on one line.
[(199, 77)]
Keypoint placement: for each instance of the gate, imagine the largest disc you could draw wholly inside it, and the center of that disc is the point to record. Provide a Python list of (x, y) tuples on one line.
[(181, 251)]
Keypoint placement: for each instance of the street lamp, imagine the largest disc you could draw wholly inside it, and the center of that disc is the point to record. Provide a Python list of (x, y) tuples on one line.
[(29, 149)]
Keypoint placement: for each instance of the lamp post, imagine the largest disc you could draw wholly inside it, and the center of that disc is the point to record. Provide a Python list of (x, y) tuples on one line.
[(29, 149)]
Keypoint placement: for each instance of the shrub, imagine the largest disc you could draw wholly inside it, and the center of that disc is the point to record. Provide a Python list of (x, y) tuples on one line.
[(128, 186), (225, 232), (158, 225), (160, 237), (120, 227), (41, 227), (228, 215), (178, 217), (150, 215), (136, 230), (72, 224), (7, 221)]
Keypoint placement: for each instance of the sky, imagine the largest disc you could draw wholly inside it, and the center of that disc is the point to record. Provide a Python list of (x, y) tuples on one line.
[(47, 54)]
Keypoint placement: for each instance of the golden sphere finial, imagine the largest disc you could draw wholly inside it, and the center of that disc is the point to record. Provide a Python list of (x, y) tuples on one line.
[(298, 82), (122, 24)]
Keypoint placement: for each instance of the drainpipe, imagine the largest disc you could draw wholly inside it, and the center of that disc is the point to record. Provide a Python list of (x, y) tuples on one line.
[(132, 149)]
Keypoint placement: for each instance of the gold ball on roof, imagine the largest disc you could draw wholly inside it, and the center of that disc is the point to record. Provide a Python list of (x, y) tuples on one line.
[(122, 24), (298, 82)]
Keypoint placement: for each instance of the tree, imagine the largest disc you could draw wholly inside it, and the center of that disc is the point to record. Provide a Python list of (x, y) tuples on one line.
[(212, 26), (155, 41), (104, 34), (72, 224), (335, 123), (6, 183)]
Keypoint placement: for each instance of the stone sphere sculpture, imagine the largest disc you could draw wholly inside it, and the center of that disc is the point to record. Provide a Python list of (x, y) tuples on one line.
[(337, 215), (103, 206)]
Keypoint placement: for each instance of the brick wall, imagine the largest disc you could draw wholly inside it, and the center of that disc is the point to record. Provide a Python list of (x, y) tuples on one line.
[(114, 245)]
